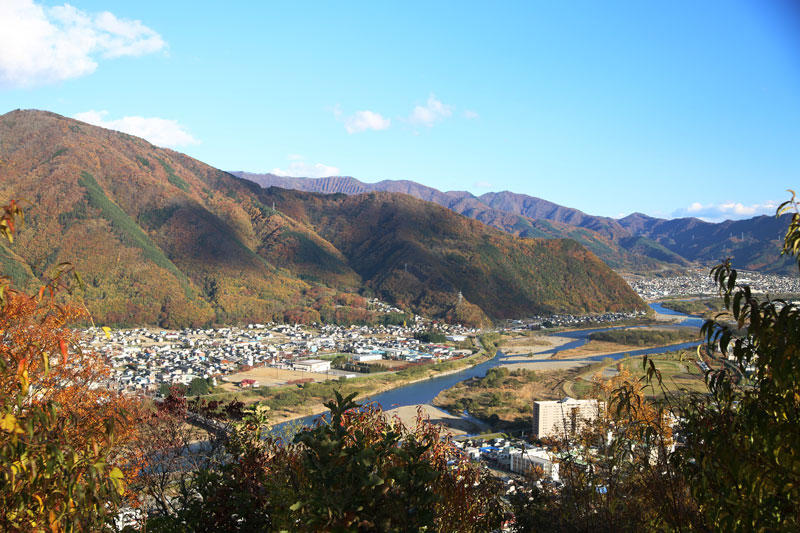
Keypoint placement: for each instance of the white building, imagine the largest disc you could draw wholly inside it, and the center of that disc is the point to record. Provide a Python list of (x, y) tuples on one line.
[(313, 365), (551, 418), (524, 461), (364, 357)]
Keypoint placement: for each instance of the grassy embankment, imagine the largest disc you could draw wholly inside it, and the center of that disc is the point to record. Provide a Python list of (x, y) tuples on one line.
[(620, 340), (704, 307), (679, 372), (293, 401), (646, 337)]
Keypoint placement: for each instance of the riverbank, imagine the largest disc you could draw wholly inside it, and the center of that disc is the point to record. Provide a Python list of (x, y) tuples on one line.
[(293, 402), (453, 424), (503, 398), (679, 372)]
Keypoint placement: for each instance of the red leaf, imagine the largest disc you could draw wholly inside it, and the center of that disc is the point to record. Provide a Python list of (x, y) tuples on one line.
[(63, 345)]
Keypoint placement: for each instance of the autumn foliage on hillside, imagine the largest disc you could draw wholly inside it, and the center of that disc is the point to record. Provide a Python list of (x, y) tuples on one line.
[(161, 238), (61, 432), (421, 255)]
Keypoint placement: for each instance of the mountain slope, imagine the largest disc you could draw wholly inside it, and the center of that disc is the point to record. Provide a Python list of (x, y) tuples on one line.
[(753, 243), (421, 255), (161, 238)]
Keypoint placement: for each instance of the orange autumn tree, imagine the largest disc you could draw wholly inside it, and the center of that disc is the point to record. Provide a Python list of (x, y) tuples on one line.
[(61, 431)]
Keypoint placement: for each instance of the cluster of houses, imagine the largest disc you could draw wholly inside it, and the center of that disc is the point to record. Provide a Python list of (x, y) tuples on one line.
[(698, 282), (144, 358), (567, 320), (403, 349)]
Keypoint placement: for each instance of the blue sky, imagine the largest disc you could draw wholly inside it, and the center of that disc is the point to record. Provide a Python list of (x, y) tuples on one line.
[(672, 109)]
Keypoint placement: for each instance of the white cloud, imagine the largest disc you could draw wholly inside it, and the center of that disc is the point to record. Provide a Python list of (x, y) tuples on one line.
[(482, 185), (432, 112), (469, 114), (40, 45), (724, 211), (159, 131), (365, 120), (300, 169)]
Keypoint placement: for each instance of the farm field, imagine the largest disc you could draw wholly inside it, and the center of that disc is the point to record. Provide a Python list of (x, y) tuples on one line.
[(676, 373), (271, 377)]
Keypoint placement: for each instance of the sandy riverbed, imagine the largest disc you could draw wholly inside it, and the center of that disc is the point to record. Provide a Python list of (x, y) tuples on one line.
[(455, 425), (542, 343)]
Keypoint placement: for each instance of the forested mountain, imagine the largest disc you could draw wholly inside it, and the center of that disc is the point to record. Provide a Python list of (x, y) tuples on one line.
[(637, 242), (421, 255), (161, 238)]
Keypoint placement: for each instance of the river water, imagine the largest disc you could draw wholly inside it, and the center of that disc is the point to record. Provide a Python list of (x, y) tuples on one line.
[(425, 391)]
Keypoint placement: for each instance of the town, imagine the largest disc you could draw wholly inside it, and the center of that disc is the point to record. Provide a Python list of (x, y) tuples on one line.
[(144, 360), (697, 282)]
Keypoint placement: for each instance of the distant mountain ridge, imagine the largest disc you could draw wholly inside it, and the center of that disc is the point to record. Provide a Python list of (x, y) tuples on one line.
[(600, 243), (636, 242), (161, 238)]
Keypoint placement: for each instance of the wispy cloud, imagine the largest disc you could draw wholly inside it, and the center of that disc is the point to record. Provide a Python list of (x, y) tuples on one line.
[(362, 120), (159, 131), (482, 185), (366, 120), (298, 168), (724, 211), (432, 112), (41, 45)]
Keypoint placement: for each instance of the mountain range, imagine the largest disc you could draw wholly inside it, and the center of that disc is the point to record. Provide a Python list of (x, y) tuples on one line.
[(636, 243), (161, 238)]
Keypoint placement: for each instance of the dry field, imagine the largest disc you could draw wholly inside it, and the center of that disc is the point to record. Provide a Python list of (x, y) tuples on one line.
[(531, 344), (454, 425), (270, 377)]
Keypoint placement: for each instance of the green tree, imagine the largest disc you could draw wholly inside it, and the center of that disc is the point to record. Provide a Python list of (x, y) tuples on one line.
[(197, 387), (742, 453), (358, 471), (431, 336)]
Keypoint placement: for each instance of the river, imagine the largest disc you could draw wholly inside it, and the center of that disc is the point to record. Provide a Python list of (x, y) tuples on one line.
[(425, 391)]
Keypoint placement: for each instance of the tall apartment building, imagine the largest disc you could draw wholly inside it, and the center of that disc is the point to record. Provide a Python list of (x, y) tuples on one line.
[(552, 417)]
